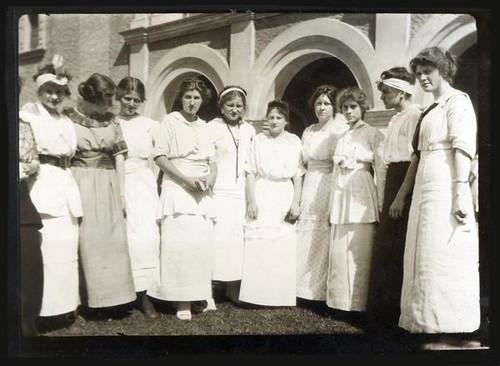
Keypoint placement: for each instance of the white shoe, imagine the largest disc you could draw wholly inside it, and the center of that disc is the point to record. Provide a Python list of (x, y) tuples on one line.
[(184, 314), (184, 311), (210, 305)]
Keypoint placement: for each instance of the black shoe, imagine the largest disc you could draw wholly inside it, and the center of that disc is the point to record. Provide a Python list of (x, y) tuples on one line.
[(147, 308)]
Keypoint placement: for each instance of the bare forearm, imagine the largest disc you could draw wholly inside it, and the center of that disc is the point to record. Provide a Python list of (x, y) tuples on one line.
[(409, 180), (166, 165)]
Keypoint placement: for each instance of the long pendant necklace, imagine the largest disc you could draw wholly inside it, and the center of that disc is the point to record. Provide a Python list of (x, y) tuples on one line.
[(236, 143)]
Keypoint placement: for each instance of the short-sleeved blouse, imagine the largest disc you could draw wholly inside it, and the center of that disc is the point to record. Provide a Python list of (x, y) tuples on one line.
[(450, 125), (275, 158)]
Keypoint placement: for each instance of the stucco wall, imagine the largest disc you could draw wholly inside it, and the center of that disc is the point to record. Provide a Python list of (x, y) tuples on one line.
[(88, 42), (217, 39)]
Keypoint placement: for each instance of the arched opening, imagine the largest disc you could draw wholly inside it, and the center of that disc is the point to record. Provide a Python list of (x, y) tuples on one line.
[(208, 110), (328, 70)]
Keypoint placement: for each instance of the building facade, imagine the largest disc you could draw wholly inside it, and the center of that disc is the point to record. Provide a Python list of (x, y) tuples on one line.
[(271, 55)]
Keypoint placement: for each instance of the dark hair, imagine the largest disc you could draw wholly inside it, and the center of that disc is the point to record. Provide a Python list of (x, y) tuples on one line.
[(96, 88), (129, 84), (398, 72), (329, 90), (50, 69), (281, 106), (436, 57), (223, 98), (358, 95), (194, 84)]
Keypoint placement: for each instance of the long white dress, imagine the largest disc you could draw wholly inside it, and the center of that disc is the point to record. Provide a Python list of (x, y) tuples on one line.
[(356, 198), (141, 198), (56, 197), (270, 254), (313, 227), (186, 252), (440, 291), (231, 149)]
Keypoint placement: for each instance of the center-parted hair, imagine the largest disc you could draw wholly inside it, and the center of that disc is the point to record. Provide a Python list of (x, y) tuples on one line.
[(97, 88), (194, 84), (356, 94), (326, 89), (232, 91), (130, 84), (436, 57), (281, 106)]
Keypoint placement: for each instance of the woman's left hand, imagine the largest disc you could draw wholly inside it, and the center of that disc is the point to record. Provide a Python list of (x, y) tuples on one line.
[(460, 209)]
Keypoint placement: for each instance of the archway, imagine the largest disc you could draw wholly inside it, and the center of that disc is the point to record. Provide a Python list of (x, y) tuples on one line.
[(328, 70)]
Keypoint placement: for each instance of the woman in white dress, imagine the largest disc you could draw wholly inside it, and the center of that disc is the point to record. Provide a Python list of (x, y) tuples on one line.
[(357, 196), (185, 153), (440, 291), (274, 171), (231, 136), (54, 192), (319, 141), (141, 196)]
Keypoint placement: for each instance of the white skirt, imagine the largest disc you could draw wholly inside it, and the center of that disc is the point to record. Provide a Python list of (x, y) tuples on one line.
[(349, 266), (60, 265), (228, 237), (185, 259), (270, 255)]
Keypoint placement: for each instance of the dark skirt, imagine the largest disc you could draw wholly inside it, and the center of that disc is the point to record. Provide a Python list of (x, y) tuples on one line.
[(386, 277), (31, 263)]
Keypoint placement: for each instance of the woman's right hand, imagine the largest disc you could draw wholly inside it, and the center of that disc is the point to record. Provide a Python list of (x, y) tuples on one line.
[(252, 210)]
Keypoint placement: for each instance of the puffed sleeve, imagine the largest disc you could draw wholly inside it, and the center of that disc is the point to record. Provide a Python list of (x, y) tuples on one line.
[(462, 126), (379, 166), (161, 139)]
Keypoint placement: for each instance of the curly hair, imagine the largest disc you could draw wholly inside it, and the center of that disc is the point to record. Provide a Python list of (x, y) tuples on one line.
[(194, 84), (436, 57), (356, 94)]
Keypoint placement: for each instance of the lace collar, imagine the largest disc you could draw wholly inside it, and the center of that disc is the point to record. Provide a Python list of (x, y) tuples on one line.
[(96, 121)]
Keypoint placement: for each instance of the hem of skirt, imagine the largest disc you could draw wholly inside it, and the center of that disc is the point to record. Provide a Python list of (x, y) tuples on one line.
[(406, 325), (345, 307), (115, 302), (310, 295), (58, 312), (268, 302)]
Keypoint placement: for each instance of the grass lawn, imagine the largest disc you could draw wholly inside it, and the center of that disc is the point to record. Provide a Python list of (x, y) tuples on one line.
[(308, 328)]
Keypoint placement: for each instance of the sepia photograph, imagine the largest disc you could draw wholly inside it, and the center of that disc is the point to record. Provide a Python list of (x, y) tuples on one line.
[(246, 181)]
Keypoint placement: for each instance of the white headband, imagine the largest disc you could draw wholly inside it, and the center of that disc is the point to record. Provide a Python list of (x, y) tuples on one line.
[(44, 78), (235, 88), (398, 84)]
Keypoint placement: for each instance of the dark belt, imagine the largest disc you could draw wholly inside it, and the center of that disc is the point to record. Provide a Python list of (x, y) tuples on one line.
[(58, 161)]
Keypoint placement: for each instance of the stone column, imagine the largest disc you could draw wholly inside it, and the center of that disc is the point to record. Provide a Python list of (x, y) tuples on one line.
[(391, 41), (242, 53)]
